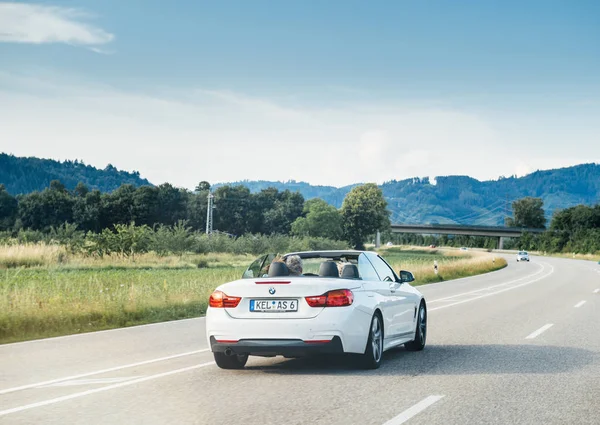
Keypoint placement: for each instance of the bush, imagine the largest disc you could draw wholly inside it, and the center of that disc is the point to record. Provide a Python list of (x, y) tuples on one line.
[(177, 239), (130, 240), (124, 240)]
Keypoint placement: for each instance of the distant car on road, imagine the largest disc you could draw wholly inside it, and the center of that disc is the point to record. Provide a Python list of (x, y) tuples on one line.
[(342, 302), (522, 256), (432, 246), (464, 248), (389, 244)]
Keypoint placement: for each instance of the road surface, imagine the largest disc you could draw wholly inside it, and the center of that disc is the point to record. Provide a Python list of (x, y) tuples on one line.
[(517, 346)]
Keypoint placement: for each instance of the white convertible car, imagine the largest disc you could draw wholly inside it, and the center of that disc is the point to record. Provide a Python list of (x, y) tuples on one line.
[(342, 302)]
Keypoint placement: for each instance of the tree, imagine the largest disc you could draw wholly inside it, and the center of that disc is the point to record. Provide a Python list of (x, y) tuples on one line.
[(145, 206), (172, 203), (286, 209), (320, 220), (118, 207), (57, 186), (81, 190), (196, 210), (528, 212), (8, 209), (87, 211), (203, 186), (364, 212), (51, 207), (232, 204), (262, 202)]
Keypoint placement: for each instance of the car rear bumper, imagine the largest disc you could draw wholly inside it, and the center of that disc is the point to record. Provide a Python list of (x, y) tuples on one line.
[(277, 347), (347, 325)]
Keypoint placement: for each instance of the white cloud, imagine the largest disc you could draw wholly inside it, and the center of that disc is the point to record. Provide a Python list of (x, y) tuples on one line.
[(37, 24), (189, 135)]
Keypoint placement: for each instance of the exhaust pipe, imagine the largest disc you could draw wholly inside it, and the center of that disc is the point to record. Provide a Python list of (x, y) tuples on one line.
[(228, 352)]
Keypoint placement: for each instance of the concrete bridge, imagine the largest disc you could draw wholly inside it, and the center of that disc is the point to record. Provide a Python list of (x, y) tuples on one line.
[(457, 229)]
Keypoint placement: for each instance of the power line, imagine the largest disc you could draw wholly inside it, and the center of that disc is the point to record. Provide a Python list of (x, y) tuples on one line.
[(477, 218), (476, 213)]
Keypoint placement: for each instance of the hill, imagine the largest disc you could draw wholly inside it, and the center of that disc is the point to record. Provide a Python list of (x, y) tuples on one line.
[(465, 200), (25, 175), (447, 199)]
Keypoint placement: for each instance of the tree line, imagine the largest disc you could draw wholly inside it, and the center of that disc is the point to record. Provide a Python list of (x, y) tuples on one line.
[(236, 212)]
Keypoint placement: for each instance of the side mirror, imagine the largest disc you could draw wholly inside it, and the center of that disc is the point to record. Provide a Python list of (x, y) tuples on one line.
[(406, 276)]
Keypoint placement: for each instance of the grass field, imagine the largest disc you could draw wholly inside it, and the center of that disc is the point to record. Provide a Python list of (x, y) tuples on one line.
[(452, 264), (45, 291)]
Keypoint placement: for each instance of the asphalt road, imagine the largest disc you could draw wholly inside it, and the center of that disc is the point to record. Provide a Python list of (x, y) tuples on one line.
[(517, 346)]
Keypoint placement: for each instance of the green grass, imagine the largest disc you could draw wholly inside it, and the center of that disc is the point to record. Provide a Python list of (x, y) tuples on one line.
[(451, 264), (54, 293), (48, 302)]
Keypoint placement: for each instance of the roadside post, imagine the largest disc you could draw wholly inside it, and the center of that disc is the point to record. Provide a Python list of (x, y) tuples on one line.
[(435, 267)]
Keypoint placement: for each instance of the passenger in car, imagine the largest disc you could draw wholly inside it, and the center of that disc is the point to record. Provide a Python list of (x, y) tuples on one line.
[(294, 264)]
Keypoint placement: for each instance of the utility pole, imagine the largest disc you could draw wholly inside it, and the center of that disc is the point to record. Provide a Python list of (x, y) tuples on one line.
[(209, 213)]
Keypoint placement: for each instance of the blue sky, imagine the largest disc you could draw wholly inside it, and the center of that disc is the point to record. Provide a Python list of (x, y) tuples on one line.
[(328, 92)]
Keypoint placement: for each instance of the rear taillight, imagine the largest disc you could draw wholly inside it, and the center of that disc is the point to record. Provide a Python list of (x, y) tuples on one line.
[(337, 298), (219, 299)]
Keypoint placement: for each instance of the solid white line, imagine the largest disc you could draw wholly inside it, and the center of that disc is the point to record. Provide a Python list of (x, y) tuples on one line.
[(54, 338), (112, 369), (579, 304), (494, 293), (415, 410), (97, 381), (596, 290), (539, 331), (541, 270), (98, 390)]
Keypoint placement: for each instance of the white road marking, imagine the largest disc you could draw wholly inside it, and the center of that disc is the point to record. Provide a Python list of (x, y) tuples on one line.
[(541, 270), (539, 331), (98, 390), (112, 369), (414, 410), (596, 290), (494, 293), (97, 381), (579, 304)]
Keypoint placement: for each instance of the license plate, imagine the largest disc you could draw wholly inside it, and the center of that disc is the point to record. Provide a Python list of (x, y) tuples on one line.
[(273, 306)]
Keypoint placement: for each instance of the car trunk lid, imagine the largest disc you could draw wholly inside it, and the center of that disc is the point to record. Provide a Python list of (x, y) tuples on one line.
[(257, 293)]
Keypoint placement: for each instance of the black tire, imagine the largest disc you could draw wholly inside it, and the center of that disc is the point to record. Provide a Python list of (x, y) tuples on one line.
[(230, 362), (421, 332), (371, 358)]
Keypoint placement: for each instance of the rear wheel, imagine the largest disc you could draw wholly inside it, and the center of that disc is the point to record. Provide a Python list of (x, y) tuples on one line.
[(421, 332), (230, 362), (371, 359)]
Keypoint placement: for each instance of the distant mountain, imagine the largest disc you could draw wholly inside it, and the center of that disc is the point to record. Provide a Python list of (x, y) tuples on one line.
[(24, 175), (465, 200), (448, 199)]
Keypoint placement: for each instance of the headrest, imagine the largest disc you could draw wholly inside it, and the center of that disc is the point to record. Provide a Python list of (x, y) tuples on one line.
[(329, 269), (277, 269), (350, 271)]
